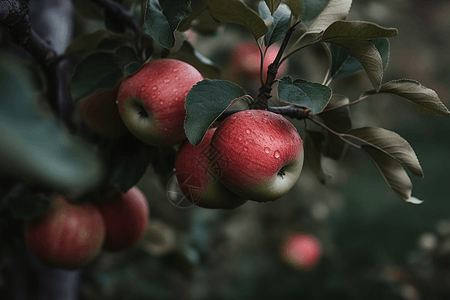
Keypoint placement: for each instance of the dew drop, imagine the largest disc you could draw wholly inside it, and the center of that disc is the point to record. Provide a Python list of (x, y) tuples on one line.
[(248, 114), (241, 137), (272, 138), (177, 98), (233, 117), (161, 102), (175, 70), (154, 87), (166, 80), (264, 120), (267, 150), (245, 148), (176, 77), (266, 114), (248, 131), (277, 154)]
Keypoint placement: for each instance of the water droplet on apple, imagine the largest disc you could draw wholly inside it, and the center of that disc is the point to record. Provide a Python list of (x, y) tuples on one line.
[(267, 150), (264, 120), (177, 98), (154, 87), (176, 77), (248, 114), (161, 102), (233, 117), (272, 138), (174, 90), (277, 154), (248, 131), (241, 137), (175, 70), (245, 148), (266, 114), (166, 80)]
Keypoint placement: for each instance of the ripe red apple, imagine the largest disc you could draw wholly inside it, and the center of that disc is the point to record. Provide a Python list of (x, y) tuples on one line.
[(67, 235), (197, 182), (246, 61), (260, 154), (301, 251), (100, 113), (126, 218), (151, 102)]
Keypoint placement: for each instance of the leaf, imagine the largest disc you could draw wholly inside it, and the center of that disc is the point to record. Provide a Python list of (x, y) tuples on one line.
[(88, 9), (369, 57), (391, 170), (304, 93), (391, 144), (128, 160), (296, 7), (359, 30), (188, 54), (36, 148), (313, 153), (162, 19), (236, 11), (205, 102), (272, 5), (344, 63), (425, 99), (339, 120), (335, 10), (126, 58), (414, 200), (94, 73), (279, 26), (197, 7)]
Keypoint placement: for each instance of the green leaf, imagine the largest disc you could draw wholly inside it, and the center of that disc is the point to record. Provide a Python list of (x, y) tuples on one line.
[(94, 73), (344, 63), (236, 11), (296, 7), (36, 148), (335, 10), (358, 30), (304, 93), (391, 170), (88, 9), (198, 7), (279, 26), (425, 99), (128, 160), (339, 120), (311, 9), (188, 54), (391, 144), (313, 153), (368, 55), (162, 19), (205, 102), (126, 58), (272, 5), (28, 206)]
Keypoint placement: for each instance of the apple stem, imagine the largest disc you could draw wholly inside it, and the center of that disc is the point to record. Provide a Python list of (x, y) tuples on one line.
[(262, 100)]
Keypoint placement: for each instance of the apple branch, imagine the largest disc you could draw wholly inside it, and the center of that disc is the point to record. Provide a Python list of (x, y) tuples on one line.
[(262, 100)]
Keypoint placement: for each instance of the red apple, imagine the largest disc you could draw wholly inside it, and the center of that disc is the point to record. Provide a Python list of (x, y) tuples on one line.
[(260, 154), (67, 235), (197, 182), (151, 102), (126, 218), (246, 61), (301, 251), (100, 113)]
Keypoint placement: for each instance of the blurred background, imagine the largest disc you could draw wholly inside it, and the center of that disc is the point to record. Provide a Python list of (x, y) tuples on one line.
[(373, 245)]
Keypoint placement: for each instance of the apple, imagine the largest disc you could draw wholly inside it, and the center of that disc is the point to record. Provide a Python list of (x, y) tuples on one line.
[(301, 251), (259, 154), (246, 61), (151, 102), (100, 112), (126, 218), (68, 235), (197, 182)]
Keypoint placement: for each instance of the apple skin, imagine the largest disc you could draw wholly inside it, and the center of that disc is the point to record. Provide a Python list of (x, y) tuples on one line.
[(301, 251), (67, 235), (100, 113), (196, 182), (246, 61), (255, 148), (126, 219), (151, 102)]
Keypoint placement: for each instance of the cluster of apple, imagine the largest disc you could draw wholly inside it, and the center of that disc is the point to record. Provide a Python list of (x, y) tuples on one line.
[(70, 235), (252, 155)]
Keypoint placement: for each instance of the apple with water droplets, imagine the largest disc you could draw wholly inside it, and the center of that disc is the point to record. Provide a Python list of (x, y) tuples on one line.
[(151, 101), (259, 154), (197, 182), (301, 251)]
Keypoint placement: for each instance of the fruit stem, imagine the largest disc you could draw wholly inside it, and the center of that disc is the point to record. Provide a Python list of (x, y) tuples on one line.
[(262, 100)]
